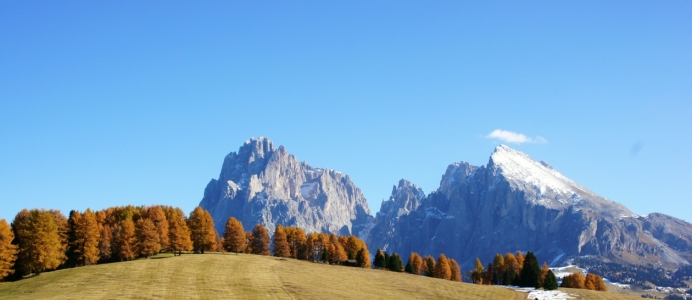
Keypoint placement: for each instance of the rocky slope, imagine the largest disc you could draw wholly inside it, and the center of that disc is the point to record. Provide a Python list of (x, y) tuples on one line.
[(517, 203), (262, 184)]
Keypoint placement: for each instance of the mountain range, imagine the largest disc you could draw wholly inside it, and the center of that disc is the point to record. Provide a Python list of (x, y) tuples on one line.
[(512, 203)]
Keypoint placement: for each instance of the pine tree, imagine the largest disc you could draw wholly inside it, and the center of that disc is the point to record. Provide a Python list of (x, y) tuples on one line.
[(386, 260), (550, 282), (158, 217), (442, 269), (260, 240), (234, 239), (105, 245), (456, 270), (8, 251), (409, 268), (477, 273), (363, 257), (379, 259), (594, 282), (281, 248), (147, 238), (126, 241), (178, 232), (395, 264), (429, 266), (498, 268), (531, 272), (202, 231)]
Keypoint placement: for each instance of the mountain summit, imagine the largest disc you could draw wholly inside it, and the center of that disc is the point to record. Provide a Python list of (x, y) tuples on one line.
[(517, 203), (263, 185)]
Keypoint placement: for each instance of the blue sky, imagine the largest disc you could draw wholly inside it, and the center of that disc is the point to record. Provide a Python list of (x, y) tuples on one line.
[(105, 104)]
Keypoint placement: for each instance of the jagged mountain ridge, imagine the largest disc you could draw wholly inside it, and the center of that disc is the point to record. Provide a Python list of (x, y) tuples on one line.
[(263, 185), (517, 203)]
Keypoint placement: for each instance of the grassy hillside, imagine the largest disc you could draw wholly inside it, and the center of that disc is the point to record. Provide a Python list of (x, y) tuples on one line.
[(230, 276)]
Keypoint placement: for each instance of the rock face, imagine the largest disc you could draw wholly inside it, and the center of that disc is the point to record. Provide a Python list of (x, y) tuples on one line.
[(261, 184), (517, 203)]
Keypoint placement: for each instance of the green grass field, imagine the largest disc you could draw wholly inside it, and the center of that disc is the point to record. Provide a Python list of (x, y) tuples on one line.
[(230, 276)]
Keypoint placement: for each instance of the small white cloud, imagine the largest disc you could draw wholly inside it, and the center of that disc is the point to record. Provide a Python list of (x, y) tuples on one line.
[(514, 137)]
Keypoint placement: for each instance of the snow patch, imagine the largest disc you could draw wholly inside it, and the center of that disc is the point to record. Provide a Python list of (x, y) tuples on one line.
[(543, 295)]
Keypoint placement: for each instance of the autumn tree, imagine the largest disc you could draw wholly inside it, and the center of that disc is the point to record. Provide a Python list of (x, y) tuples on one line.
[(455, 269), (498, 268), (379, 261), (178, 231), (38, 241), (362, 258), (531, 272), (550, 282), (520, 261), (574, 280), (234, 239), (202, 231), (126, 242), (297, 242), (84, 239), (477, 272), (248, 242), (8, 251), (416, 263), (105, 244), (148, 242), (63, 228), (511, 269), (395, 264), (281, 248), (594, 282), (488, 275), (337, 255), (429, 266), (442, 269), (544, 272), (260, 240), (158, 217)]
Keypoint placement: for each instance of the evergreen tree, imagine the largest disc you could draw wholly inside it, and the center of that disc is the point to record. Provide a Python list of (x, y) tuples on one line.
[(442, 269), (409, 267), (395, 264), (429, 265), (488, 276), (511, 269), (260, 240), (361, 259), (148, 242), (531, 272), (8, 251), (550, 282), (477, 272), (386, 261), (234, 239), (544, 273), (281, 248), (456, 270), (379, 259)]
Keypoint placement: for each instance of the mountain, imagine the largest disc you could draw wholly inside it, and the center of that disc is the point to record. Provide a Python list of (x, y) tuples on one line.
[(263, 185), (517, 203)]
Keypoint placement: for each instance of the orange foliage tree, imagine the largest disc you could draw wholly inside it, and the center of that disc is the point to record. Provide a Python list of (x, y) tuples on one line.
[(281, 248), (574, 280), (260, 240), (8, 251), (456, 270), (594, 282), (443, 270), (202, 231), (234, 239), (148, 242)]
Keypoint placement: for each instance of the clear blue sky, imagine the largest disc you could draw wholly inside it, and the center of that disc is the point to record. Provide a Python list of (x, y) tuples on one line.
[(115, 103)]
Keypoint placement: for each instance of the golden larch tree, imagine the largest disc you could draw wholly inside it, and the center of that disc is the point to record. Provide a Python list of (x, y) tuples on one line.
[(105, 244), (260, 240), (158, 217), (512, 269), (520, 260), (498, 268), (297, 242), (202, 231), (87, 239), (38, 240), (594, 282), (8, 251), (148, 243), (234, 239), (477, 272), (429, 266), (337, 255), (178, 232), (574, 280), (544, 272), (63, 231), (248, 242), (455, 269), (443, 269), (281, 248), (416, 263), (126, 241)]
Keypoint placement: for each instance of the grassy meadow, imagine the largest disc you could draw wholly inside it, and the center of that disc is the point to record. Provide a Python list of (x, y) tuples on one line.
[(230, 276)]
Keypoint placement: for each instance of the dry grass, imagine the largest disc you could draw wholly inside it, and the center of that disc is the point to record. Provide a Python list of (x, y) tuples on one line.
[(227, 276)]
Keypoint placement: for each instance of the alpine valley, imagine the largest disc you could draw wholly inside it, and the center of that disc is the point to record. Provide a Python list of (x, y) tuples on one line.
[(512, 203)]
